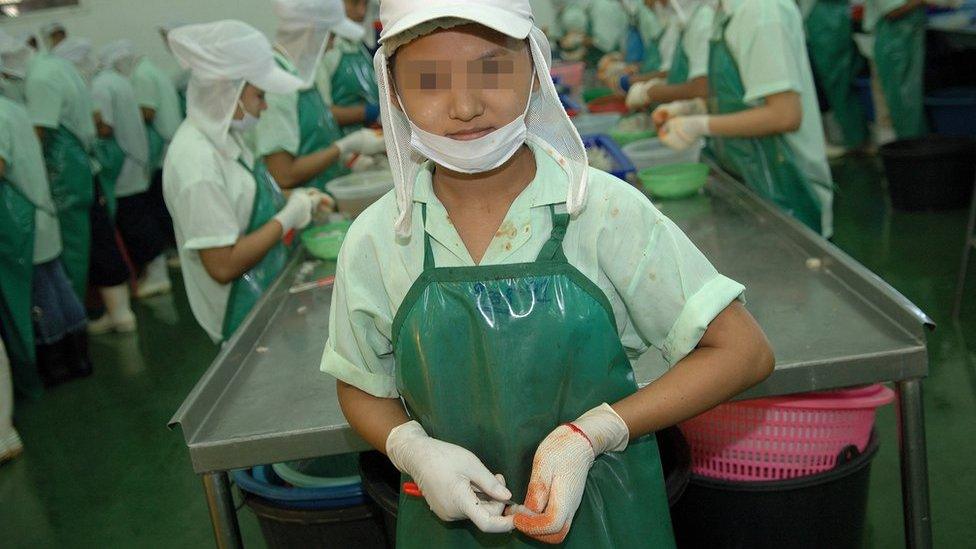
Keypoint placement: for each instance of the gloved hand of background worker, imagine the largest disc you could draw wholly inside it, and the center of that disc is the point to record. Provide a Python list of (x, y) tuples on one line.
[(637, 96), (447, 475), (364, 141), (686, 107), (683, 131), (297, 212), (559, 470)]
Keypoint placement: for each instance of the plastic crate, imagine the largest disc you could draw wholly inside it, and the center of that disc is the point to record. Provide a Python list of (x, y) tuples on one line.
[(622, 167)]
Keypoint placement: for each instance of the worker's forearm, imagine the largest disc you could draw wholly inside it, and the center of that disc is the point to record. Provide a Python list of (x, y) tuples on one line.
[(372, 417), (697, 87), (761, 121), (290, 171), (347, 116), (226, 265), (648, 76), (905, 9), (708, 376)]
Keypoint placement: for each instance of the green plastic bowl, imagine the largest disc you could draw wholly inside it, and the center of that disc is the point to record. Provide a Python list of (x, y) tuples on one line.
[(674, 180), (324, 241), (595, 93), (626, 138)]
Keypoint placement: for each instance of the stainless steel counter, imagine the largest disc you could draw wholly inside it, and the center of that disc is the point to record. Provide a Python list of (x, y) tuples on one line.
[(832, 324)]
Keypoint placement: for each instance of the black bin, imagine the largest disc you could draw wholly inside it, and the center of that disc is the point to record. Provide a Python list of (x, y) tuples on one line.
[(283, 528), (823, 510), (930, 173)]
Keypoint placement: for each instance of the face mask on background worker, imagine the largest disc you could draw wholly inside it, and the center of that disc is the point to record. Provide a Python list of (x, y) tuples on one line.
[(543, 117)]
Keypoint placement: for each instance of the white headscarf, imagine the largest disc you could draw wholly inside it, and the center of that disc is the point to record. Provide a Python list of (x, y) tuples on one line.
[(303, 30), (222, 57), (79, 52), (120, 55), (115, 99), (546, 118), (15, 55)]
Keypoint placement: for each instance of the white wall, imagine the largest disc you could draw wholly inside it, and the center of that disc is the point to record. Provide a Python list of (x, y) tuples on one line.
[(105, 20)]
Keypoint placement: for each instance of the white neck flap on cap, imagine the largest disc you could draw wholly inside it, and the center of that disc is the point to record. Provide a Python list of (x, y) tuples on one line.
[(546, 120)]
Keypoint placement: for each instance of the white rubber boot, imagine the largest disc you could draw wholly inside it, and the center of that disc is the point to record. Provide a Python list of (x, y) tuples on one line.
[(119, 316), (156, 280)]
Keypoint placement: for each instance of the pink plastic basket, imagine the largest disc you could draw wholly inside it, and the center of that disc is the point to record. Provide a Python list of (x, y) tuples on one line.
[(784, 437), (570, 74)]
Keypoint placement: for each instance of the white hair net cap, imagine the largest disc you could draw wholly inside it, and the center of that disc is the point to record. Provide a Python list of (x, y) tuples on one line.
[(222, 57), (79, 52), (303, 31), (546, 120), (14, 55), (119, 54)]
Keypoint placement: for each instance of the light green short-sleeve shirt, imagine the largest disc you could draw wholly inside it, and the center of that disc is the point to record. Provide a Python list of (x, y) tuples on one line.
[(57, 95), (21, 152), (766, 38), (155, 90), (663, 291), (696, 40)]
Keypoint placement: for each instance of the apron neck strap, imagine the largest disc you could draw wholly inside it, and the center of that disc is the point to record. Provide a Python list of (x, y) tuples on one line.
[(552, 250)]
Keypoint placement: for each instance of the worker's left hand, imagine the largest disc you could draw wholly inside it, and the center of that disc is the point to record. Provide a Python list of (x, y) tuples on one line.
[(559, 470), (321, 202), (683, 131), (638, 97)]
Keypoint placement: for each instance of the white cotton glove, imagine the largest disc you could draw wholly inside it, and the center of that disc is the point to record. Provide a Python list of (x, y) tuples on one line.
[(637, 96), (297, 213), (682, 132), (687, 107), (364, 141), (447, 475), (360, 163), (559, 470)]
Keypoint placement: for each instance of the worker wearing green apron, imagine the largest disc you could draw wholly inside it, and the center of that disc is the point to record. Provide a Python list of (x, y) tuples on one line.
[(61, 109), (836, 62), (487, 314), (41, 320), (229, 217), (347, 84), (765, 123), (687, 75), (298, 137), (899, 55)]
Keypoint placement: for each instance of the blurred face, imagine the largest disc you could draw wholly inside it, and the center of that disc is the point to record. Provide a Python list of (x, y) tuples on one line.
[(252, 99), (464, 82), (356, 10)]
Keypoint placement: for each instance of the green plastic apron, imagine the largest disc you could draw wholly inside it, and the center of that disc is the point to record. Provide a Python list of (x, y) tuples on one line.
[(652, 57), (836, 62), (69, 171), (680, 65), (493, 358), (156, 147), (318, 130), (248, 289), (766, 164), (354, 83), (899, 55), (111, 157), (16, 282)]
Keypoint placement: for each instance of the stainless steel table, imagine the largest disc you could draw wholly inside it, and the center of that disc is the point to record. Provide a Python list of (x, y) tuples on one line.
[(832, 323)]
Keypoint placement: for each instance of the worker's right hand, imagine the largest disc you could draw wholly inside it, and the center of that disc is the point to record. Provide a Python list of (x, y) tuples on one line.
[(364, 141), (297, 213), (684, 107), (447, 475), (638, 97)]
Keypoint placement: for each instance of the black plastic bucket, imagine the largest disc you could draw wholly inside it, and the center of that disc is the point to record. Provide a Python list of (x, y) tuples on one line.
[(930, 173), (358, 526), (381, 480), (823, 510)]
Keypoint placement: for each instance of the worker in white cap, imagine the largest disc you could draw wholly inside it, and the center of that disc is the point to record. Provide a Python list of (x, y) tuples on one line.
[(229, 223), (298, 137), (60, 108), (53, 34), (345, 77), (487, 312), (79, 52)]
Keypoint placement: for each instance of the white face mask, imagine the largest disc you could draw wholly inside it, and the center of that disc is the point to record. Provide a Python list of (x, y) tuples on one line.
[(246, 123), (477, 155)]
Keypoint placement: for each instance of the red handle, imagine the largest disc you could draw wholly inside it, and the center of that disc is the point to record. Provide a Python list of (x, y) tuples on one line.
[(411, 489)]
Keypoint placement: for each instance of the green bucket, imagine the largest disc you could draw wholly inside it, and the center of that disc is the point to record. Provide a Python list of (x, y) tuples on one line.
[(674, 181), (626, 138), (324, 241), (595, 93)]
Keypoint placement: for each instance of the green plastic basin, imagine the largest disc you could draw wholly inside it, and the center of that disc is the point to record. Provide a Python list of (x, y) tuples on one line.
[(324, 241), (674, 180), (595, 93)]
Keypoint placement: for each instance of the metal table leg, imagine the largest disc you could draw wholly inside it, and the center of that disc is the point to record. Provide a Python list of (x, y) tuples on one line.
[(223, 516), (914, 467)]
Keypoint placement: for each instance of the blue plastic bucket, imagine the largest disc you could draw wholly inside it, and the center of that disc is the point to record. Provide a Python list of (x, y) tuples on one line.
[(262, 481), (953, 111)]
